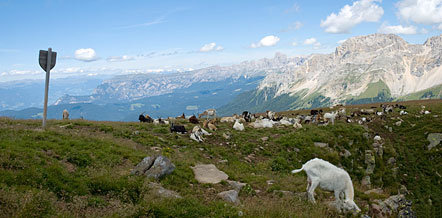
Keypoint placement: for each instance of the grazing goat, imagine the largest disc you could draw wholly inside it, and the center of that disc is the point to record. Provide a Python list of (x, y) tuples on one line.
[(330, 116), (247, 116), (331, 178), (208, 113), (193, 120), (270, 115), (65, 114), (145, 118), (315, 112), (238, 126), (177, 128)]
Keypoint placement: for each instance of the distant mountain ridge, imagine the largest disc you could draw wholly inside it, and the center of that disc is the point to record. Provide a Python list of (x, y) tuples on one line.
[(127, 88), (377, 67)]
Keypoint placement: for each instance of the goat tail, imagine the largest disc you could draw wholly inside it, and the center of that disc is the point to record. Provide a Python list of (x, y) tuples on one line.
[(298, 170)]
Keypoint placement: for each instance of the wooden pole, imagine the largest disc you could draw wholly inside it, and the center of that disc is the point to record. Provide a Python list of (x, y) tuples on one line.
[(48, 69)]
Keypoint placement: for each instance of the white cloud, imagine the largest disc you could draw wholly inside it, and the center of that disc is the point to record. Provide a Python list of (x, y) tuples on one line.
[(310, 41), (266, 42), (21, 72), (399, 29), (350, 16), (211, 47), (86, 54), (341, 41), (421, 11), (317, 45), (294, 8), (120, 58), (294, 43), (293, 26), (439, 27)]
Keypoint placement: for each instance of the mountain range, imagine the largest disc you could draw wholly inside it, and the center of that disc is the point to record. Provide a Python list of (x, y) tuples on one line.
[(363, 69)]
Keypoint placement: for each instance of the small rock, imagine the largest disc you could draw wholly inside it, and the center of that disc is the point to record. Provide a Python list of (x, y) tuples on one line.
[(270, 182), (155, 167), (296, 150), (161, 166), (229, 196), (227, 135), (398, 123), (370, 161), (240, 213), (366, 135), (136, 132), (345, 153), (391, 160), (223, 161), (390, 129), (208, 173), (154, 148), (158, 190), (265, 138), (434, 139), (248, 159), (236, 185), (366, 181), (376, 190), (350, 142), (321, 144)]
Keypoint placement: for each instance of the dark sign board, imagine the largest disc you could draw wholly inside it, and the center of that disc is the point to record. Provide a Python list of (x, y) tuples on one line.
[(43, 59)]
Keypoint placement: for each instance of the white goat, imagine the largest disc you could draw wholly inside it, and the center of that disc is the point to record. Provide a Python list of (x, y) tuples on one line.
[(297, 125), (330, 116), (331, 178), (238, 126), (227, 120), (197, 134)]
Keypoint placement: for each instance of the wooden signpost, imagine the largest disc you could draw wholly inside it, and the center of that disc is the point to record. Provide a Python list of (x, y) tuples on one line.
[(47, 62)]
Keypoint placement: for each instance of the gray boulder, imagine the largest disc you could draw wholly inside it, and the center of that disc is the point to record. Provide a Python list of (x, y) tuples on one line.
[(208, 173), (229, 196), (434, 139), (159, 191), (154, 167)]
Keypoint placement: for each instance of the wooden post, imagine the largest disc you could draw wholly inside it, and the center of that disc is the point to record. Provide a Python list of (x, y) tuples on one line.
[(48, 69)]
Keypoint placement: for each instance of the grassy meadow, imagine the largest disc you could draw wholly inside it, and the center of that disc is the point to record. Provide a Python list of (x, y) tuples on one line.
[(80, 168)]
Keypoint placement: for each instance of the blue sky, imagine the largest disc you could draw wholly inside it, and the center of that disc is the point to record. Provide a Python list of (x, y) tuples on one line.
[(114, 37)]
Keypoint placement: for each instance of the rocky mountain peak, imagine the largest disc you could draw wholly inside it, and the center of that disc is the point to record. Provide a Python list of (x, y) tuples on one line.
[(434, 42), (371, 43)]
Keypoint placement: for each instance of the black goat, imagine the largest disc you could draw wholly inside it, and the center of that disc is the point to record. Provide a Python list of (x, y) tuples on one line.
[(193, 120), (247, 116), (177, 128), (145, 119)]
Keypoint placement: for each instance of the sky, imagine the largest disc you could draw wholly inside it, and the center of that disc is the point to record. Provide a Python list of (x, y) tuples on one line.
[(98, 37)]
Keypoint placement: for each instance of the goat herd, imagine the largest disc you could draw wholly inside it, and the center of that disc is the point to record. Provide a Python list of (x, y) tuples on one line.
[(319, 172)]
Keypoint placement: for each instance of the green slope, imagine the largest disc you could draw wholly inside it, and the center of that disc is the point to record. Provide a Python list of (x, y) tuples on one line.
[(82, 168)]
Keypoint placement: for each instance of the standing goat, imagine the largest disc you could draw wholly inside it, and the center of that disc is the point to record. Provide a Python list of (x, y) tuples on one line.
[(65, 114), (330, 178)]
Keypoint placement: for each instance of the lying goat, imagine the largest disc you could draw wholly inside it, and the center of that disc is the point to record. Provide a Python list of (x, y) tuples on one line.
[(197, 134), (177, 128), (238, 126), (331, 178)]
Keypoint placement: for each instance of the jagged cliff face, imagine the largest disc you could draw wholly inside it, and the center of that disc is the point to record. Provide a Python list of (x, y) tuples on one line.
[(404, 68)]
